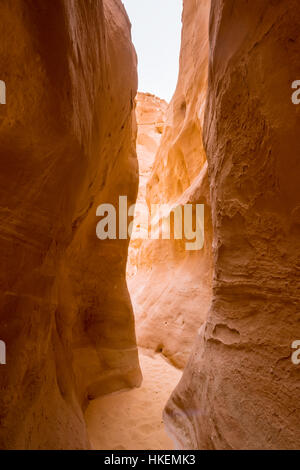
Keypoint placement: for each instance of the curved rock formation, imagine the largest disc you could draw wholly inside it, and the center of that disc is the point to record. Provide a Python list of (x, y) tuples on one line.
[(67, 145), (151, 116), (240, 389), (171, 291)]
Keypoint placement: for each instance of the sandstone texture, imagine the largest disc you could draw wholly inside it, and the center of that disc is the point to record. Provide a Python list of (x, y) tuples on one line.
[(67, 144), (240, 389), (171, 289), (150, 116)]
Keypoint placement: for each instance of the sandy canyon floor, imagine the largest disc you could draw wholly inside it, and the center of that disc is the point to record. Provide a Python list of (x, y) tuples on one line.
[(132, 419)]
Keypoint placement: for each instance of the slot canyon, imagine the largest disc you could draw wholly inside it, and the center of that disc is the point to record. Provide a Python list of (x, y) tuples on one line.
[(140, 343)]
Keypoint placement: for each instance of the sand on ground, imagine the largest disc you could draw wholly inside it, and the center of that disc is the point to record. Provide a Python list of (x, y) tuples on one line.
[(132, 419)]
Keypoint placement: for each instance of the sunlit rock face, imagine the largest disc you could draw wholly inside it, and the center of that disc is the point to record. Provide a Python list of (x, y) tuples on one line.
[(240, 389), (67, 138), (171, 290), (150, 116)]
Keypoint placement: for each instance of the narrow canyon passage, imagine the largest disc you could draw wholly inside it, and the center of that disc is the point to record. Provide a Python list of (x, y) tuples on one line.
[(120, 334), (133, 418), (169, 286)]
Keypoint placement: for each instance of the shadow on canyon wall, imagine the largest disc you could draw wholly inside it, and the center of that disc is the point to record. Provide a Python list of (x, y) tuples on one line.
[(227, 314)]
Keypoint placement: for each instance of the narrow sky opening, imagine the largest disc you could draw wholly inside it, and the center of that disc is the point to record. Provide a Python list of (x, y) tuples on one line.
[(156, 34)]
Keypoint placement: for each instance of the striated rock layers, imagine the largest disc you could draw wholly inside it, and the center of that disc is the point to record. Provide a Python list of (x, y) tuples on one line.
[(150, 116), (66, 145), (240, 389), (171, 290)]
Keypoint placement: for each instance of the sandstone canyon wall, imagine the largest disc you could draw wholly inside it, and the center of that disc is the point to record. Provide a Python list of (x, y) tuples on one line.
[(240, 389), (150, 117), (171, 290), (67, 145)]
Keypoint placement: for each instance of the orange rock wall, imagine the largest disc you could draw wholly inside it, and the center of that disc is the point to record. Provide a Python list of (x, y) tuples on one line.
[(171, 291), (150, 116), (240, 389), (66, 145)]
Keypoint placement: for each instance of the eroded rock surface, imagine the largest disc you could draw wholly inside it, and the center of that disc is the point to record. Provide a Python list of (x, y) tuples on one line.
[(67, 145), (150, 116), (240, 389), (172, 288)]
